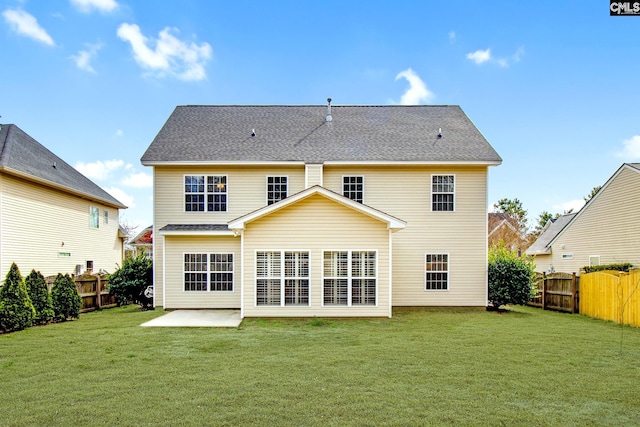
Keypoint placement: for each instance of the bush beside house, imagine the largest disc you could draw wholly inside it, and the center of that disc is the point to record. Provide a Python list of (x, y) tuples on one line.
[(40, 297), (16, 309), (510, 277), (65, 298)]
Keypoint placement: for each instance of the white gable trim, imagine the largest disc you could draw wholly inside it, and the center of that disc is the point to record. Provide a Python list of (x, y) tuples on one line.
[(393, 223)]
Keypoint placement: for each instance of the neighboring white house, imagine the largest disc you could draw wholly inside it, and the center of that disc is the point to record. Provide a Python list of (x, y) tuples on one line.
[(604, 231), (52, 218), (319, 210), (142, 243)]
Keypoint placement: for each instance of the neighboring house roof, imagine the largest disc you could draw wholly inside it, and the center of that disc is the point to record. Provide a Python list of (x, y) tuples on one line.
[(23, 156), (198, 229), (144, 238), (500, 219), (393, 223), (632, 166), (542, 245), (203, 134)]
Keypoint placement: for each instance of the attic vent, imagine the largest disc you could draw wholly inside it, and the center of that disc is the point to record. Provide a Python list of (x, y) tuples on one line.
[(329, 118)]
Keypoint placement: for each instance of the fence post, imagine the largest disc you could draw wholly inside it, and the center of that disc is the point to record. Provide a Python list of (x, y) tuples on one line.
[(544, 291), (98, 292), (573, 293)]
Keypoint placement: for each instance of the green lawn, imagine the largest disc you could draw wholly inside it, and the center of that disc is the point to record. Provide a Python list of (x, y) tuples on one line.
[(423, 367)]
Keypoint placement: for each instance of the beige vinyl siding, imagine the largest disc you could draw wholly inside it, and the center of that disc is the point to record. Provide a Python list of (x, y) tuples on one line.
[(175, 295), (38, 223), (607, 227), (405, 192), (315, 225), (247, 191), (313, 175)]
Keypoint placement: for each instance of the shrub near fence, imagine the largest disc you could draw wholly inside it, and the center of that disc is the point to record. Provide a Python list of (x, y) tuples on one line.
[(611, 295), (93, 289)]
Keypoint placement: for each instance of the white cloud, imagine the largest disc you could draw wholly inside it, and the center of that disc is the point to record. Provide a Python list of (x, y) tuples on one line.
[(138, 180), (575, 204), (27, 25), (84, 57), (518, 55), (86, 6), (119, 133), (417, 91), (184, 60), (452, 36), (122, 197), (479, 56), (631, 148), (99, 170)]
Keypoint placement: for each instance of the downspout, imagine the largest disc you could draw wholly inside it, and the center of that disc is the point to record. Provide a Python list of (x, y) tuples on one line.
[(390, 272), (241, 274)]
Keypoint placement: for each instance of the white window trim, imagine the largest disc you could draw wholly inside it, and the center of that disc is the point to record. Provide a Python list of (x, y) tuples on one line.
[(205, 211), (455, 187), (594, 256), (424, 272), (349, 279), (353, 176), (282, 278), (93, 209), (266, 193), (208, 272)]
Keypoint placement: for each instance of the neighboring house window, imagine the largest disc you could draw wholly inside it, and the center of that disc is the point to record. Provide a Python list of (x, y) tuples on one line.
[(437, 272), (94, 217), (350, 278), (594, 260), (208, 272), (353, 188), (442, 193), (106, 216), (276, 189), (282, 274), (89, 265), (213, 195)]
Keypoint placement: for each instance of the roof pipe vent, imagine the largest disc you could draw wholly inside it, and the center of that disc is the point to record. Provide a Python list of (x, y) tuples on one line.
[(439, 132), (253, 132), (328, 118)]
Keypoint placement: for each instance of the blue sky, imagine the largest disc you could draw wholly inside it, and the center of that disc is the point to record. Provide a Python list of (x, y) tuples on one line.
[(553, 85)]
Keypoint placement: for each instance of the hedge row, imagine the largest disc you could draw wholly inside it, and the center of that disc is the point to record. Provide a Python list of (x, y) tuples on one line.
[(27, 302), (611, 267)]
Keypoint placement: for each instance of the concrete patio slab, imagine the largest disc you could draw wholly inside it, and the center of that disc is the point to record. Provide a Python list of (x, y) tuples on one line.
[(198, 319)]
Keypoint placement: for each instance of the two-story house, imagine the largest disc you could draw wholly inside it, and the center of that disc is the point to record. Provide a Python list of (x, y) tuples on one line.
[(52, 218), (319, 210)]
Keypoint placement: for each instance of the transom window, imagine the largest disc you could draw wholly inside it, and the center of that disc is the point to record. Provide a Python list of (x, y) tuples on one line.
[(282, 278), (276, 189), (442, 193), (350, 278), (353, 188), (437, 272), (208, 272), (205, 192)]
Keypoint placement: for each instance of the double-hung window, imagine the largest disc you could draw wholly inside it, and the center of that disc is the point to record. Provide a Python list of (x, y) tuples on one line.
[(282, 278), (205, 193), (94, 217), (208, 272), (350, 278), (276, 189), (353, 188), (442, 193), (436, 272)]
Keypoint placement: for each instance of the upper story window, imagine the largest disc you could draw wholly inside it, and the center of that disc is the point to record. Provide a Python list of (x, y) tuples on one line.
[(353, 188), (442, 193), (106, 216), (202, 191), (94, 217), (276, 189)]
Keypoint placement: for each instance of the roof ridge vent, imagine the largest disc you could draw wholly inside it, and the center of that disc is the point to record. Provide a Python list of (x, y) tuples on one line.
[(328, 118)]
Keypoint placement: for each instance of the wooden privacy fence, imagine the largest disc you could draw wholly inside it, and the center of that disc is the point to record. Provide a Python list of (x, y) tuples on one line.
[(93, 290), (611, 295), (557, 291)]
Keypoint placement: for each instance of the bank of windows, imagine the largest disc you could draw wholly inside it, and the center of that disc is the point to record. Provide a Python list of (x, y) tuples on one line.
[(442, 193), (353, 188), (277, 189), (208, 272), (282, 278), (436, 272), (349, 278), (205, 193)]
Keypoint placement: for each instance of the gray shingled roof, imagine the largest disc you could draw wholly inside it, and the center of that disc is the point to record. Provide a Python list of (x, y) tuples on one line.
[(195, 227), (554, 226), (19, 153), (204, 134)]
